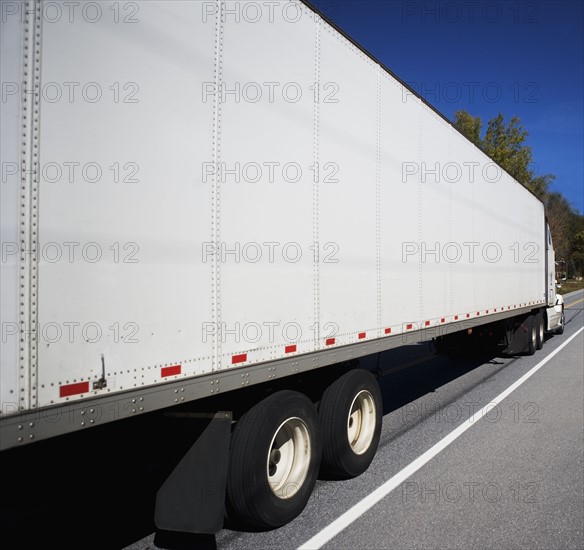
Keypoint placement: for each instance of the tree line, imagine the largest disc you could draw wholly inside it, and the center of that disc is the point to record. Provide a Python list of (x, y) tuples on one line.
[(505, 143)]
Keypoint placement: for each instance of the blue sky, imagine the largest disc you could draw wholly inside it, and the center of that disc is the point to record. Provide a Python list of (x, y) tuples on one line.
[(523, 58)]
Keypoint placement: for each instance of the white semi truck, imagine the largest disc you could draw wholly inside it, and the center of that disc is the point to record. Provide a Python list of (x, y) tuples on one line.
[(219, 199)]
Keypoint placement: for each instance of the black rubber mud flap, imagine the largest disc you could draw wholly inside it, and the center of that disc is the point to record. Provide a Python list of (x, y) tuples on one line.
[(192, 499)]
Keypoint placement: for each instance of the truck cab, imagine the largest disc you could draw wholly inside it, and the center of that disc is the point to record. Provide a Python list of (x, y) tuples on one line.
[(554, 314)]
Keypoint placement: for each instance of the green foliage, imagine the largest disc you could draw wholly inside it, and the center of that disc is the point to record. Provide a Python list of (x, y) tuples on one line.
[(578, 246), (579, 241), (539, 185), (469, 126), (559, 214), (578, 258), (505, 144)]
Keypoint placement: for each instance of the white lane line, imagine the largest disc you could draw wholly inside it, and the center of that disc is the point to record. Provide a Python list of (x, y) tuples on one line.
[(343, 521)]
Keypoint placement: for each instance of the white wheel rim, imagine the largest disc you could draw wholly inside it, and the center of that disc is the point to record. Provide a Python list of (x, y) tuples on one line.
[(289, 458), (361, 422), (541, 332)]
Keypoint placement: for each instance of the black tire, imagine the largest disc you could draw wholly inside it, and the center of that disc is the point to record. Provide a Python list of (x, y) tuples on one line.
[(531, 335), (560, 329), (540, 328), (261, 490), (342, 457)]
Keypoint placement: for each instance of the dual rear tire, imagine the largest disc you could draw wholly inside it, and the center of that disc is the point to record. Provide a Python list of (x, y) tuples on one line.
[(274, 459), (560, 329), (540, 328), (350, 413), (535, 333), (279, 445)]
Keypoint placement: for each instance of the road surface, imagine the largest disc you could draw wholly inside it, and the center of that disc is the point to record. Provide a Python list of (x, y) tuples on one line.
[(512, 479)]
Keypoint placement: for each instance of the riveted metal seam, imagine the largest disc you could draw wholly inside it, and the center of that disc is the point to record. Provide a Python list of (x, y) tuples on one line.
[(450, 220), (378, 204), (216, 191), (316, 185), (28, 190), (34, 214), (473, 233), (420, 211)]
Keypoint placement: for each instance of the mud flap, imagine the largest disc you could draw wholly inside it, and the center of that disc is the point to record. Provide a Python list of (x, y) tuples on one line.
[(517, 335), (192, 499)]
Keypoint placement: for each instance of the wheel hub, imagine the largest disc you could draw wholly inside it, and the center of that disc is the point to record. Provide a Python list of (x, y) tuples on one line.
[(361, 422), (289, 458)]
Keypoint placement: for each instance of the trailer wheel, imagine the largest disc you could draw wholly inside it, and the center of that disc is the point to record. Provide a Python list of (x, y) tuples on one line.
[(532, 335), (540, 331), (349, 415), (274, 460), (560, 329)]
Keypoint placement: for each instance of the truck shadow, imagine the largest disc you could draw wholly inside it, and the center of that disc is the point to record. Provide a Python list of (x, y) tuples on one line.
[(97, 488), (92, 489), (410, 372)]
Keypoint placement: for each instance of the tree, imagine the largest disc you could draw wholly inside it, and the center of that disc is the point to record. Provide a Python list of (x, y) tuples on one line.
[(469, 126), (578, 243), (578, 246), (505, 144), (559, 214), (539, 185)]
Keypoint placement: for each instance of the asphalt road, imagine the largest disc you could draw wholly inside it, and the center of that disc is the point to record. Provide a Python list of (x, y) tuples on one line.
[(513, 479)]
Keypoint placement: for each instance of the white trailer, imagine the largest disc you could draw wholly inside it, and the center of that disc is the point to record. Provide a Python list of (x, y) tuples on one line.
[(199, 197)]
